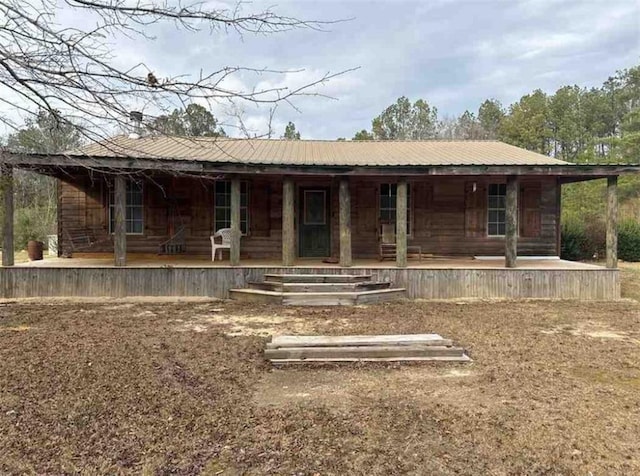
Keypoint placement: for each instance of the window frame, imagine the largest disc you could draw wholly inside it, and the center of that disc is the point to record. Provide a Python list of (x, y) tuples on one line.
[(497, 209), (111, 207), (410, 217), (246, 207)]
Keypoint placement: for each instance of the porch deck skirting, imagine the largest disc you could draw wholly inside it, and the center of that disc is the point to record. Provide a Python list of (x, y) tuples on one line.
[(454, 283)]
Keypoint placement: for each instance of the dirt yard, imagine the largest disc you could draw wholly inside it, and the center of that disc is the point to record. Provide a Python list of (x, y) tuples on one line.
[(181, 388)]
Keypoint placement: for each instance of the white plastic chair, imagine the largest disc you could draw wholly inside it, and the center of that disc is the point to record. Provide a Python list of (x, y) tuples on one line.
[(225, 235)]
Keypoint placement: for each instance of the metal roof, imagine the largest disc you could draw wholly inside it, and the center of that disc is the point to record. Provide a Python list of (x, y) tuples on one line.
[(317, 152)]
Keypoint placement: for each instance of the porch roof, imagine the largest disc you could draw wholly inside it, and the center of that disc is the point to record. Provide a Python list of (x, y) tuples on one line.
[(316, 152), (205, 155)]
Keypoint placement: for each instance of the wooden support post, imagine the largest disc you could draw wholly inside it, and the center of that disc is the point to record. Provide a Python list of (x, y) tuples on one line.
[(401, 224), (345, 223), (235, 223), (511, 225), (7, 227), (120, 221), (612, 221), (558, 217), (288, 222)]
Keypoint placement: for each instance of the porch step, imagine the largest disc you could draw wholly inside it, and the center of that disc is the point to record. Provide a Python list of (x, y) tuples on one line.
[(317, 290), (317, 278), (317, 298), (393, 348), (318, 287)]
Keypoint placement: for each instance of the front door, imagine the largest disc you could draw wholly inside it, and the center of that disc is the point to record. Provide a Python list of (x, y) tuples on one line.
[(314, 227)]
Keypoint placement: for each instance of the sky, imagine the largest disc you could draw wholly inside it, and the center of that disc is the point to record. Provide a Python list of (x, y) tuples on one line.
[(452, 53)]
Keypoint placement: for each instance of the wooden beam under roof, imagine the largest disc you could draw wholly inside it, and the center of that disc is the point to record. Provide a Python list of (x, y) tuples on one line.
[(568, 173)]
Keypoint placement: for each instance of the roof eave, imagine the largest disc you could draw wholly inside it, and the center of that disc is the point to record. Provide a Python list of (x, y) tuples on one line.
[(201, 166)]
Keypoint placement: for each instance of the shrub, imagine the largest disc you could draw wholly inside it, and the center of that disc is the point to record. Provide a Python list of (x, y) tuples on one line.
[(595, 230), (629, 240), (582, 237), (574, 243), (33, 223)]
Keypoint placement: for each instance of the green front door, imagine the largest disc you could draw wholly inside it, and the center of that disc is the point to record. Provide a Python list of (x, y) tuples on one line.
[(314, 229)]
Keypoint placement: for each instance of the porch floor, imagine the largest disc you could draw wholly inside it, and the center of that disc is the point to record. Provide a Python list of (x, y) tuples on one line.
[(154, 261)]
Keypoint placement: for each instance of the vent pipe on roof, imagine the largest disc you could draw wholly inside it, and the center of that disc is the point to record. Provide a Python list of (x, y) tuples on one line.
[(136, 118)]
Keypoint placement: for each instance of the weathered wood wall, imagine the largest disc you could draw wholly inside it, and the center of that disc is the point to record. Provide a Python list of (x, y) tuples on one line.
[(587, 284), (440, 218), (448, 215)]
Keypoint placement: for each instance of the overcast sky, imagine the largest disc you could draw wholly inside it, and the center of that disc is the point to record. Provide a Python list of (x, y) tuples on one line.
[(452, 53)]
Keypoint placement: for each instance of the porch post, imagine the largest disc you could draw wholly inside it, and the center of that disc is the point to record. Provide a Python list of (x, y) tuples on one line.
[(612, 221), (401, 224), (235, 222), (345, 223), (120, 223), (288, 223), (7, 227), (511, 225)]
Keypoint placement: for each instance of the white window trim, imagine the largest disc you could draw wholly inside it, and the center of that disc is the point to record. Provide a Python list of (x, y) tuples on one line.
[(488, 208), (111, 207), (247, 206), (409, 207)]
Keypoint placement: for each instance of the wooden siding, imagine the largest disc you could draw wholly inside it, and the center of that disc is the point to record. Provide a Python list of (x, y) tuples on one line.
[(447, 216), (584, 284)]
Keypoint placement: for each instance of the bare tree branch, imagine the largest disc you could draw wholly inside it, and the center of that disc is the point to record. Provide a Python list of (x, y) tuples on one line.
[(71, 72)]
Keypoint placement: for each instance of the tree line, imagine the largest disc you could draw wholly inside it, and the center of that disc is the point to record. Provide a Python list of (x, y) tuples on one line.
[(576, 124)]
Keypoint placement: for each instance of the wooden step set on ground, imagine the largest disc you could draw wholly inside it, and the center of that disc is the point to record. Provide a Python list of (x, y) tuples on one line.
[(318, 290), (380, 348)]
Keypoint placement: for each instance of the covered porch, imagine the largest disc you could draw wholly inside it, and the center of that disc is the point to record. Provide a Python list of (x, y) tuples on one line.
[(338, 221)]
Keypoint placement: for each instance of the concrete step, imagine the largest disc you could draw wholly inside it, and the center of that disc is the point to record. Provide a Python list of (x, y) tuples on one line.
[(317, 278), (317, 298), (318, 287), (328, 354)]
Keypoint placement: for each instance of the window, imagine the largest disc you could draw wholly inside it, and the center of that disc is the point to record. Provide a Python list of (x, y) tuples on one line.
[(134, 209), (222, 206), (496, 210), (388, 194)]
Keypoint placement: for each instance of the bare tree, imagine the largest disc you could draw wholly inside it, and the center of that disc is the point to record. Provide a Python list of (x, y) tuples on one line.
[(72, 74)]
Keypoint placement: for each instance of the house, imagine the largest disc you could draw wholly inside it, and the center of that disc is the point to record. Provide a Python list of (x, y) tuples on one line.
[(471, 218)]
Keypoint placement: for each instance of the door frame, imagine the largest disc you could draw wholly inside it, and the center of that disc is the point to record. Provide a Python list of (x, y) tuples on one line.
[(300, 215)]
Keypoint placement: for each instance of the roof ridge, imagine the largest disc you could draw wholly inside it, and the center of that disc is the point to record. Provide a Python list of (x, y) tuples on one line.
[(267, 139)]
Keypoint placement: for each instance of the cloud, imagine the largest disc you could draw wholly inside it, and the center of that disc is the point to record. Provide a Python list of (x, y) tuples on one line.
[(452, 53)]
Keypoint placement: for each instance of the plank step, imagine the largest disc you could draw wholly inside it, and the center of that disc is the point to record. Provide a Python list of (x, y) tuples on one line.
[(358, 340), (360, 352), (463, 358), (317, 298), (318, 287), (317, 278)]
